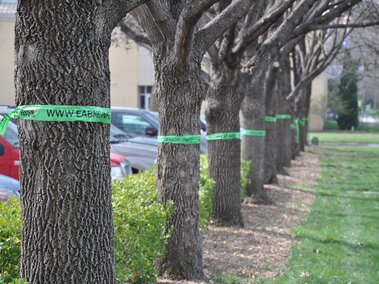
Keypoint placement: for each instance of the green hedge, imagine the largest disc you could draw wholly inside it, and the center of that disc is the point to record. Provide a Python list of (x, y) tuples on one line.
[(245, 167), (139, 221), (205, 193), (10, 240)]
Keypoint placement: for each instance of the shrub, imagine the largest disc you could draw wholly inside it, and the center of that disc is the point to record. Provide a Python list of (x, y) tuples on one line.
[(205, 193), (10, 240), (245, 168), (139, 221)]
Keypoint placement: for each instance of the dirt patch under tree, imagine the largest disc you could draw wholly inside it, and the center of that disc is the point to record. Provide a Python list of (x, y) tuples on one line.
[(261, 248)]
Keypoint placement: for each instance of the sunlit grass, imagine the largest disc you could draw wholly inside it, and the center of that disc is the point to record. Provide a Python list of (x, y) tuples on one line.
[(345, 137), (339, 240)]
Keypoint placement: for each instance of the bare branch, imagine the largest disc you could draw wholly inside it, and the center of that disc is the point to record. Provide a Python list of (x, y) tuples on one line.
[(259, 27), (227, 42), (342, 26), (162, 18), (217, 26), (118, 9), (188, 19), (316, 70), (129, 26)]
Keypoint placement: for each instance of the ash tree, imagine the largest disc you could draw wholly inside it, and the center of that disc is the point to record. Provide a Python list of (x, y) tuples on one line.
[(171, 30), (223, 103), (61, 58), (272, 49)]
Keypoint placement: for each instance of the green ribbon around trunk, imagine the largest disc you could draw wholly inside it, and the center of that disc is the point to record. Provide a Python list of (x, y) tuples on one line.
[(248, 132), (283, 116), (292, 126), (63, 113), (270, 119), (185, 139), (224, 136)]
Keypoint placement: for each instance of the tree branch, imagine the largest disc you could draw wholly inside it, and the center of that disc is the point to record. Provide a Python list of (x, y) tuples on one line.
[(118, 9), (163, 20), (313, 27), (310, 76), (188, 19), (259, 27), (132, 30), (217, 26)]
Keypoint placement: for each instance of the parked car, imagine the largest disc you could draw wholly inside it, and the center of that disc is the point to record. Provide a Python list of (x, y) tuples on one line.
[(140, 156), (10, 156), (139, 122), (135, 121), (8, 187), (10, 152), (120, 166)]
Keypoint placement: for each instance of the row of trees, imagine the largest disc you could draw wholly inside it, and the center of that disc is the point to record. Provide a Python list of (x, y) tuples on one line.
[(234, 55)]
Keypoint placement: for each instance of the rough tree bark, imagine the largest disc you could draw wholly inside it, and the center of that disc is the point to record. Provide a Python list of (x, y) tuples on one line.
[(253, 112), (61, 54), (179, 93), (271, 136), (224, 156), (304, 104), (284, 140), (178, 49)]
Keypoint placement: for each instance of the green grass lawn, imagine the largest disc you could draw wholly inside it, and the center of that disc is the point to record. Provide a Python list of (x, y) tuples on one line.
[(339, 240), (345, 137), (332, 125)]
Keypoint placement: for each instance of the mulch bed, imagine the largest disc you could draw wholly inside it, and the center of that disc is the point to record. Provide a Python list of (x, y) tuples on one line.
[(261, 248)]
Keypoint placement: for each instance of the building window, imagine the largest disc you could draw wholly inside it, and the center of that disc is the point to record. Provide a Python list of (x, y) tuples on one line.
[(145, 96)]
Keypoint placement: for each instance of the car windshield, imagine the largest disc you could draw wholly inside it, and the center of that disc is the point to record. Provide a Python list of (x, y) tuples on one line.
[(153, 115), (117, 134)]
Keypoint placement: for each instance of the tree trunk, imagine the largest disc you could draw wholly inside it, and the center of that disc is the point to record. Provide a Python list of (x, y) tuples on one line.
[(253, 147), (304, 109), (271, 136), (293, 139), (284, 145), (179, 94), (224, 156), (62, 59)]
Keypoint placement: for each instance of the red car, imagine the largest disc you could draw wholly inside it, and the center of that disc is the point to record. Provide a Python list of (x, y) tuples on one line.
[(9, 152), (10, 156)]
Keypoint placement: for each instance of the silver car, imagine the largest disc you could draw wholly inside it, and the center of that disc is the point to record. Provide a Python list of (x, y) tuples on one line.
[(141, 156)]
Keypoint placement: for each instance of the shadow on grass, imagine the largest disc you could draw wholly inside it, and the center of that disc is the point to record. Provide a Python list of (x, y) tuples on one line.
[(337, 195), (329, 241)]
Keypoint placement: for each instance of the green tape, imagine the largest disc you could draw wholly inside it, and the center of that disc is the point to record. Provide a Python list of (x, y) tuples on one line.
[(292, 126), (224, 136), (270, 119), (248, 132), (63, 113), (283, 116), (185, 139), (302, 121)]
